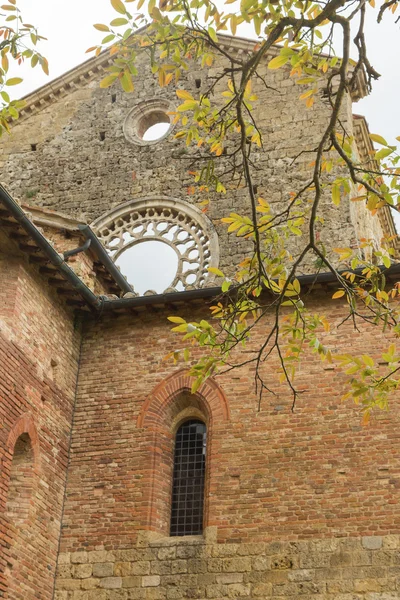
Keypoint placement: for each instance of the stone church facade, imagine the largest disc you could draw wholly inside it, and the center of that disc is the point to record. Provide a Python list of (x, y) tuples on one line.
[(94, 504)]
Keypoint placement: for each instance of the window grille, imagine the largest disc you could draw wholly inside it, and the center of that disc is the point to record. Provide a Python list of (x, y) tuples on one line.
[(188, 480)]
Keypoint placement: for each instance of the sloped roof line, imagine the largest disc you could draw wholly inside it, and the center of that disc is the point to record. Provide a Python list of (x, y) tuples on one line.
[(86, 71)]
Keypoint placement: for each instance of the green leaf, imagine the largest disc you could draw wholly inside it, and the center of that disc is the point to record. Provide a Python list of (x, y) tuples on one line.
[(336, 195), (107, 81), (108, 38), (119, 22), (13, 81), (180, 328), (278, 62), (378, 139), (213, 34), (386, 261), (126, 82), (383, 153), (196, 384)]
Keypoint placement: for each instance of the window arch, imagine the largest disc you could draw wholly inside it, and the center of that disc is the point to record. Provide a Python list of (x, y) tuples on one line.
[(176, 238), (169, 406), (187, 505), (21, 481)]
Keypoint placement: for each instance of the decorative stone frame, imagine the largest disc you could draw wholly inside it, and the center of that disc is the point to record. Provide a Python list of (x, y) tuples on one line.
[(159, 218), (165, 409), (143, 116)]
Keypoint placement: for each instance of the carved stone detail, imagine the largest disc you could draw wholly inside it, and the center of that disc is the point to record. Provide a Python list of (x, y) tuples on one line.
[(181, 226)]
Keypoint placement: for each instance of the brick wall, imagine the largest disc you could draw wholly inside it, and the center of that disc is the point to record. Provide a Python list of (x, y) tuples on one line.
[(273, 476), (39, 350)]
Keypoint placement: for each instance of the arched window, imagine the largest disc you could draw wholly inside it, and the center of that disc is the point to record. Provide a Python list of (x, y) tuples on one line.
[(174, 237), (188, 479)]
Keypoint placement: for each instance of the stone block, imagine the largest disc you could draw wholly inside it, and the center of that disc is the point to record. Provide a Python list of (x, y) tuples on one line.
[(167, 553), (111, 583), (237, 564), (82, 571), (100, 556), (151, 581), (230, 578), (90, 584), (262, 589), (238, 590), (131, 582), (122, 569), (103, 569), (79, 557), (372, 542), (140, 567)]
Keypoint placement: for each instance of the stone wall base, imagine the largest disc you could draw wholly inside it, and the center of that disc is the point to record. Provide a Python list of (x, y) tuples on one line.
[(366, 568)]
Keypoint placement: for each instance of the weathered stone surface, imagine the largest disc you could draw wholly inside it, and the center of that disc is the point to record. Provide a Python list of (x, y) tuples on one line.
[(349, 573), (151, 580), (372, 542), (103, 569)]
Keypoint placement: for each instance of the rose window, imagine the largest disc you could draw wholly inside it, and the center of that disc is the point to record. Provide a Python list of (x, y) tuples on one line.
[(160, 245)]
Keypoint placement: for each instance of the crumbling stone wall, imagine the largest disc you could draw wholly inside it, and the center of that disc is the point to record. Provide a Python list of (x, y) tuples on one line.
[(39, 351), (83, 165)]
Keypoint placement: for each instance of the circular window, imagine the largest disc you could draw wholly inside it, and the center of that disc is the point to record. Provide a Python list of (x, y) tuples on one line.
[(149, 122), (160, 244)]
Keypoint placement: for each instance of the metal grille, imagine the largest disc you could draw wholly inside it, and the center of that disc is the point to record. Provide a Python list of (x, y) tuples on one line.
[(188, 483)]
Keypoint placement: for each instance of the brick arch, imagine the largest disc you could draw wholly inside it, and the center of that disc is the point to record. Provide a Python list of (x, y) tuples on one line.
[(21, 463), (24, 424), (158, 405), (168, 401)]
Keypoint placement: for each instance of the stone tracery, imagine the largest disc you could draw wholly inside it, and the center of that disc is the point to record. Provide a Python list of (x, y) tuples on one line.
[(179, 225)]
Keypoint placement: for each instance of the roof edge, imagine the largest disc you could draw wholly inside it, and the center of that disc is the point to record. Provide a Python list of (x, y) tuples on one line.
[(86, 71)]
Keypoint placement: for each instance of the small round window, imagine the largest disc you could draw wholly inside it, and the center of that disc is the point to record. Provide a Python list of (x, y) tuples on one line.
[(149, 122)]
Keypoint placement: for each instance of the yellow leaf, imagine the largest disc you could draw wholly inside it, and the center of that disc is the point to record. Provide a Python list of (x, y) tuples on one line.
[(176, 319), (126, 82), (215, 271), (184, 95), (233, 24), (278, 62), (101, 27), (119, 6), (307, 94), (338, 294), (336, 195), (378, 139), (107, 81)]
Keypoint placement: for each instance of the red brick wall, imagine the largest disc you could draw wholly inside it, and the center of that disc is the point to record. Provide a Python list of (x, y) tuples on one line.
[(272, 475), (39, 351)]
